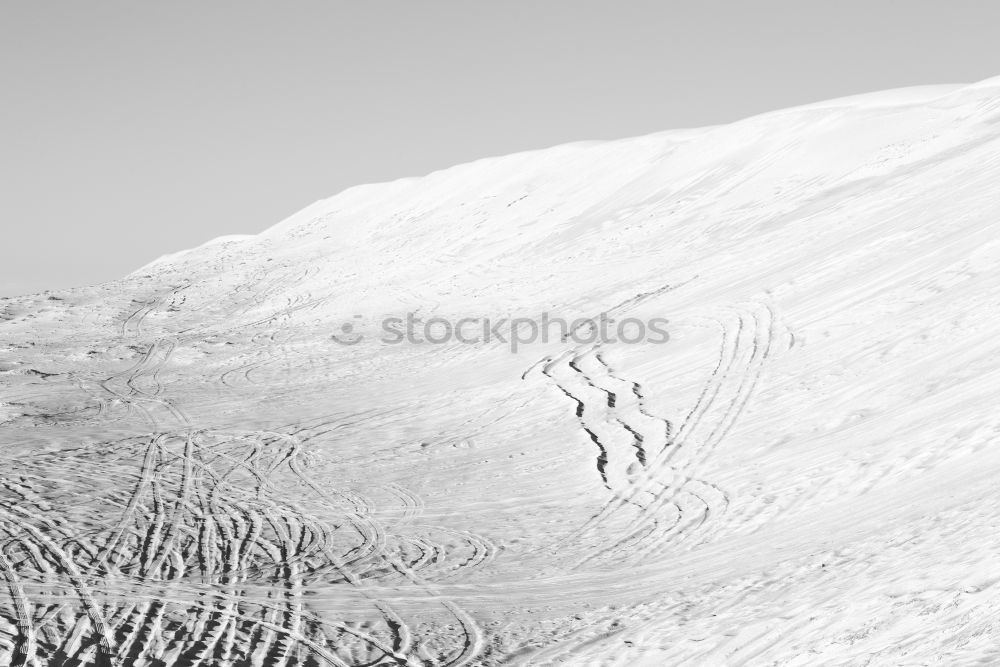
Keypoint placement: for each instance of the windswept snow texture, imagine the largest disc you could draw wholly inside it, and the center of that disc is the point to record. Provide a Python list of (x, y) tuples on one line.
[(195, 472)]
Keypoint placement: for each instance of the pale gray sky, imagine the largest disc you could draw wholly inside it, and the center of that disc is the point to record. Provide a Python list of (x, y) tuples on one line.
[(134, 129)]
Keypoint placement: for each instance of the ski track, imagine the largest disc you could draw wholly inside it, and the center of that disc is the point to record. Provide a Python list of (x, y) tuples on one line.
[(653, 470), (205, 514)]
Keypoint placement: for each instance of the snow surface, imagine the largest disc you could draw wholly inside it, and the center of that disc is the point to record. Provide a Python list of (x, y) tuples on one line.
[(196, 472)]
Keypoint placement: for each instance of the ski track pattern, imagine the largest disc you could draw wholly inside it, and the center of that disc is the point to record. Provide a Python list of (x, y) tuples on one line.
[(650, 466), (199, 559), (204, 562)]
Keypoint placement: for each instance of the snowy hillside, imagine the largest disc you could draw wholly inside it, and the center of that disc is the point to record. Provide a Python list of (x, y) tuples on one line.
[(228, 458)]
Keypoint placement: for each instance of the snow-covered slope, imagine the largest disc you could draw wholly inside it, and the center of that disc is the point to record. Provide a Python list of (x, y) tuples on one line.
[(219, 460)]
